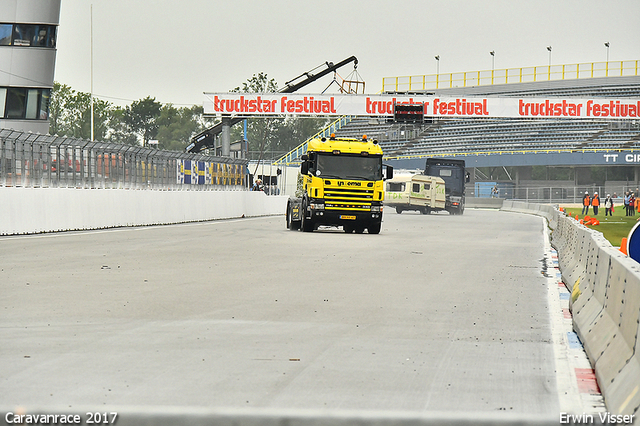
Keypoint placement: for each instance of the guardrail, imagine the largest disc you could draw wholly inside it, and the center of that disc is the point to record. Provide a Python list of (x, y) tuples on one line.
[(511, 75), (43, 161), (605, 303)]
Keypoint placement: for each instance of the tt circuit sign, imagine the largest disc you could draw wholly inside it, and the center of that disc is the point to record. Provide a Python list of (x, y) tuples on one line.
[(250, 104)]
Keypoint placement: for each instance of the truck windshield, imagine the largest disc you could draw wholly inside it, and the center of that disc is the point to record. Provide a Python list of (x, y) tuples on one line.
[(345, 166)]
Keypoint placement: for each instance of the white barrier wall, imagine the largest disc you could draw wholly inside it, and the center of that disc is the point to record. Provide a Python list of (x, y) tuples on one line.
[(34, 210), (605, 303)]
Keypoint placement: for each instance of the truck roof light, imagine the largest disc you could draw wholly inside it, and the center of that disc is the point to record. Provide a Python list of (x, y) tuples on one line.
[(333, 136), (364, 153), (323, 139), (364, 137), (336, 152)]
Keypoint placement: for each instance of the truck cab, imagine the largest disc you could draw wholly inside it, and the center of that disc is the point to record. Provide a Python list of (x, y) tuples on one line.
[(343, 186), (453, 173)]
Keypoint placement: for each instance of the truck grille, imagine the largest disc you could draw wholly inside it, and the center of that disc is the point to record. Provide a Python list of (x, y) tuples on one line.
[(347, 199)]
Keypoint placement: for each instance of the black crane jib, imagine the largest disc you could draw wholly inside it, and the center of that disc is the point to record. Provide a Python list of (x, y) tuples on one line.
[(206, 138)]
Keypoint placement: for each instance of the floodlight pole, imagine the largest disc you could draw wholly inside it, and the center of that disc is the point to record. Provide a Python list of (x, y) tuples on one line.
[(91, 57)]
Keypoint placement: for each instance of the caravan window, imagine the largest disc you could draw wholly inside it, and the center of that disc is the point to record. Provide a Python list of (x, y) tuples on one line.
[(396, 186)]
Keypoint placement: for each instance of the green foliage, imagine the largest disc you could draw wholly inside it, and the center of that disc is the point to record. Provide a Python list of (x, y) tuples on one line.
[(299, 186), (70, 113), (142, 118)]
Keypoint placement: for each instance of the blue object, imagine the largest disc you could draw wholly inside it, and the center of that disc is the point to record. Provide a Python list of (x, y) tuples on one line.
[(633, 243), (574, 340)]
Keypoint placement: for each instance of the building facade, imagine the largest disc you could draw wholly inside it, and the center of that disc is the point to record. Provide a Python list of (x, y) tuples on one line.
[(28, 33)]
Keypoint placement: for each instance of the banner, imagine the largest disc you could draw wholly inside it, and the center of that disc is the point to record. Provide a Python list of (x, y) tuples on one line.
[(269, 104)]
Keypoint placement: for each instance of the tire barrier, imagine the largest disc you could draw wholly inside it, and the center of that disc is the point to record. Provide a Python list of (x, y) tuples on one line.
[(605, 303)]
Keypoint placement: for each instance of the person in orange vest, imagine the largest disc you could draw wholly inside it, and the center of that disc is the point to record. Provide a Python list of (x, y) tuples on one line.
[(586, 202), (595, 202)]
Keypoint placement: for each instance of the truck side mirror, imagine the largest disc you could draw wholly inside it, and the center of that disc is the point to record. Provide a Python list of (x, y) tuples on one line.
[(304, 168), (388, 172)]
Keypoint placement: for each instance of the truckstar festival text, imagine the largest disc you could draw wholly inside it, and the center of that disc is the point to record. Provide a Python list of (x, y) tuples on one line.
[(250, 104)]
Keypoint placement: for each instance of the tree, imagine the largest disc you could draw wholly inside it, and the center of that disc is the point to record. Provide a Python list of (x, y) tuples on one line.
[(60, 96), (70, 113), (142, 118), (118, 131), (262, 132), (178, 125)]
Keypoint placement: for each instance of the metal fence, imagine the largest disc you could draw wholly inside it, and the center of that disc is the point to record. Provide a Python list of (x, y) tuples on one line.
[(511, 75), (41, 161), (551, 194)]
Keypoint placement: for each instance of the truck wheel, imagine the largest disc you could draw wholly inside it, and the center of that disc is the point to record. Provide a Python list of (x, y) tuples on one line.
[(398, 210), (359, 229), (375, 229), (291, 225), (348, 229)]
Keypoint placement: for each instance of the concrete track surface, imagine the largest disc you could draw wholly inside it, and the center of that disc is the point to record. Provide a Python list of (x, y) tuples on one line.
[(438, 313)]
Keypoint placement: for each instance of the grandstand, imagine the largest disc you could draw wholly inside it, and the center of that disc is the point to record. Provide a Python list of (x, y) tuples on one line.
[(518, 143)]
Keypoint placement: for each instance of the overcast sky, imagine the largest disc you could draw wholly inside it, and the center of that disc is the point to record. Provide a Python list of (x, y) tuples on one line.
[(175, 50)]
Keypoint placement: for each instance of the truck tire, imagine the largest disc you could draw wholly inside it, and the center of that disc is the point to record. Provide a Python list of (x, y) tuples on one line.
[(291, 225), (399, 210)]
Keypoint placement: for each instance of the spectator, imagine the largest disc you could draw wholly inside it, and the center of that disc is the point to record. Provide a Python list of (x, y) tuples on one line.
[(627, 196), (595, 202), (586, 202), (608, 206)]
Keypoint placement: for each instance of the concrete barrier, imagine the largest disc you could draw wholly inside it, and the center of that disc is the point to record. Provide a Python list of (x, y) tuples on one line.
[(605, 303), (486, 203), (35, 210)]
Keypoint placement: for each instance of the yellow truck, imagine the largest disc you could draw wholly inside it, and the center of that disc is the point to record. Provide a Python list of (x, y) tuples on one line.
[(416, 192), (343, 185)]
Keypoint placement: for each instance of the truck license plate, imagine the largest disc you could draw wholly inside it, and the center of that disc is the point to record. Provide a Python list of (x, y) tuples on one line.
[(347, 217)]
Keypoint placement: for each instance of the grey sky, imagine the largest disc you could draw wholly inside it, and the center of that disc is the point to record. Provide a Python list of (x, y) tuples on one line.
[(176, 50)]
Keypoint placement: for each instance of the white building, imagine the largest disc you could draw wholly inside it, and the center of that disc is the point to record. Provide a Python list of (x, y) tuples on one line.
[(28, 32)]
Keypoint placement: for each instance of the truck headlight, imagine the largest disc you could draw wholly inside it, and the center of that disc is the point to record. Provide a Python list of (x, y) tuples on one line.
[(316, 206), (376, 208)]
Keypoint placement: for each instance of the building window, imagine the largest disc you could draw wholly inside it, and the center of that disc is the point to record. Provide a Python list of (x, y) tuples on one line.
[(16, 100), (28, 35), (3, 100), (24, 103), (5, 34)]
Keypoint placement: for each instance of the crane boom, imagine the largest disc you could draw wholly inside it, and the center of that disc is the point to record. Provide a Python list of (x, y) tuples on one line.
[(206, 139)]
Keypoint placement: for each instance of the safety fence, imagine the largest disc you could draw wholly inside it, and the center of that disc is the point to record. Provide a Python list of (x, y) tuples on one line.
[(511, 75), (42, 161), (605, 303)]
